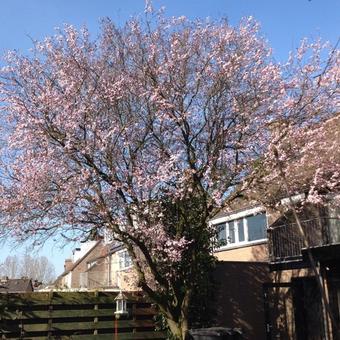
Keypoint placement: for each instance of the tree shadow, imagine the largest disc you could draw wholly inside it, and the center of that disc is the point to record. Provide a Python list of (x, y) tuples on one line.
[(240, 302)]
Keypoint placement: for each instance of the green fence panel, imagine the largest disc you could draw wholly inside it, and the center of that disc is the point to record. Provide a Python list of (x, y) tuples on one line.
[(74, 315)]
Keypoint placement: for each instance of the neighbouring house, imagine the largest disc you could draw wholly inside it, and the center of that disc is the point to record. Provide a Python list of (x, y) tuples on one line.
[(23, 285), (242, 269), (98, 265), (293, 305), (242, 234), (112, 269), (74, 268), (267, 285)]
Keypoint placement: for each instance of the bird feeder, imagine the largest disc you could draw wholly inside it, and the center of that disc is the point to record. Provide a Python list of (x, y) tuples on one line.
[(121, 309)]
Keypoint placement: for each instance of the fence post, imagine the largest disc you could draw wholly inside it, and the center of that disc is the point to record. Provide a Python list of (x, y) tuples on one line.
[(134, 307), (95, 320), (22, 330), (50, 316)]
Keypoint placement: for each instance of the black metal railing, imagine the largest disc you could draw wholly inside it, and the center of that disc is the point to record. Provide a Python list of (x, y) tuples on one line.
[(286, 241)]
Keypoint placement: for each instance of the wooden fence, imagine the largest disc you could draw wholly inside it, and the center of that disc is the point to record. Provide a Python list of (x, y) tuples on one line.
[(74, 315)]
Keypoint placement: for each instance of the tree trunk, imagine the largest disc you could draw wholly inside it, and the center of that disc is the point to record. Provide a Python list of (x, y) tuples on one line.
[(178, 329), (178, 322)]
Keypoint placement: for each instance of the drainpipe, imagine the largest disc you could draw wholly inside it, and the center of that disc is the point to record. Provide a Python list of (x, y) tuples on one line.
[(109, 270)]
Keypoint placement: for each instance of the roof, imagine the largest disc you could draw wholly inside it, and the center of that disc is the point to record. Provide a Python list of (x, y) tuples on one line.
[(78, 261), (16, 286), (109, 250), (235, 211), (116, 246), (238, 204)]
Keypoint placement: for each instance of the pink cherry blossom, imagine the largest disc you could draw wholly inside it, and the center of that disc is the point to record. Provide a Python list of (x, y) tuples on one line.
[(152, 129)]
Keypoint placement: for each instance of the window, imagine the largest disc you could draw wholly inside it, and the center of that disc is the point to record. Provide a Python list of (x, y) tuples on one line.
[(242, 230), (91, 264), (256, 227), (124, 259), (83, 280)]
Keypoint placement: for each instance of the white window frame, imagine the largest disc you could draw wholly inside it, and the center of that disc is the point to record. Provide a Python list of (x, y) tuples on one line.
[(236, 231), (235, 218), (121, 253), (91, 264)]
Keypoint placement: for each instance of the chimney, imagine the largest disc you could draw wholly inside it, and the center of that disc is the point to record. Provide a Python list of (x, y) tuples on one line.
[(68, 264), (4, 279)]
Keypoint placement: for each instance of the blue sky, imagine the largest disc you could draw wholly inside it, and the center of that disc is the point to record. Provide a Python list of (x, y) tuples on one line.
[(284, 23)]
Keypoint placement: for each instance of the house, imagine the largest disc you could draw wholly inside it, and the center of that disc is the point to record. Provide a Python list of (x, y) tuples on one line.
[(113, 269), (294, 306), (74, 268), (98, 265), (23, 285), (242, 269), (269, 287), (242, 234)]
